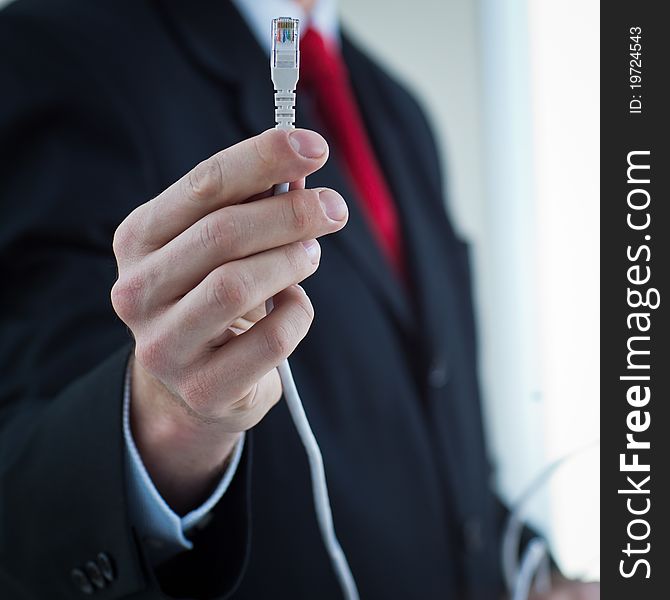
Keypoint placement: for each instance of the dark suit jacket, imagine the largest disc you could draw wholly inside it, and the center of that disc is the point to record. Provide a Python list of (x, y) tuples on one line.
[(102, 105)]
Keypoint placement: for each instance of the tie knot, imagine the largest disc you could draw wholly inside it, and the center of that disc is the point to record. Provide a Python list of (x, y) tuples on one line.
[(318, 59)]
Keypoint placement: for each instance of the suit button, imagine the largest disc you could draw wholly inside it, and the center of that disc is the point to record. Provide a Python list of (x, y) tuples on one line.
[(80, 579), (94, 574), (473, 534), (105, 565), (438, 374)]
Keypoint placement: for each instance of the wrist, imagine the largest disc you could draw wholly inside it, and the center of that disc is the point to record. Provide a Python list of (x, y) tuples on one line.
[(184, 454)]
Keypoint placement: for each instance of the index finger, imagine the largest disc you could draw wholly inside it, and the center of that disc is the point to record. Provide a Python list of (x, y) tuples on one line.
[(231, 176)]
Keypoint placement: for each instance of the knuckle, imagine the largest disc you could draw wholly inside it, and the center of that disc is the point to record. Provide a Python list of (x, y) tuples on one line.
[(205, 179), (278, 341), (300, 319), (219, 232), (124, 237), (296, 257), (118, 241), (299, 212), (305, 311), (126, 295), (230, 289), (266, 150), (151, 354)]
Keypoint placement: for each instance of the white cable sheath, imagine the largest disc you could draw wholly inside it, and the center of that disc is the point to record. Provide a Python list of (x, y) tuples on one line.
[(284, 67), (515, 523), (534, 558), (322, 508)]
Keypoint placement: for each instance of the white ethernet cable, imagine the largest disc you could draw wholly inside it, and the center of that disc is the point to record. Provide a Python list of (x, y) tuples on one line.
[(534, 568), (284, 66)]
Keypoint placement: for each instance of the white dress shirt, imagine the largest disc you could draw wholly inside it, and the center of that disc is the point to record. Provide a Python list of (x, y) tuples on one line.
[(165, 532)]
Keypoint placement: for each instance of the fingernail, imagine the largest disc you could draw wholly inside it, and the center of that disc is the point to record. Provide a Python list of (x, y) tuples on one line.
[(307, 143), (333, 205), (313, 250)]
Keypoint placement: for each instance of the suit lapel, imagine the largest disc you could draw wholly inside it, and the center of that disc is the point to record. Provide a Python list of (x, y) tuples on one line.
[(356, 240), (218, 42), (403, 175), (433, 278)]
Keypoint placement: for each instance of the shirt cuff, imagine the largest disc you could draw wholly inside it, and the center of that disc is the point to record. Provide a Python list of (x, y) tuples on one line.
[(163, 530)]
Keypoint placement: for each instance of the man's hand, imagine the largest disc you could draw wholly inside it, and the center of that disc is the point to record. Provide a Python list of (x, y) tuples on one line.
[(196, 265)]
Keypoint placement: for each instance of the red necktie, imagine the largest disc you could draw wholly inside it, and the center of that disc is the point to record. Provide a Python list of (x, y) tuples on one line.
[(323, 71)]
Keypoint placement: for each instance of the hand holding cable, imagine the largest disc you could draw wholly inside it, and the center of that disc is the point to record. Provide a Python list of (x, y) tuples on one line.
[(196, 265)]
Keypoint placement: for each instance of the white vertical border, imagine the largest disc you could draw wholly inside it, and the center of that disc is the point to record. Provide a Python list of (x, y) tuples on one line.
[(508, 320), (565, 92), (540, 296)]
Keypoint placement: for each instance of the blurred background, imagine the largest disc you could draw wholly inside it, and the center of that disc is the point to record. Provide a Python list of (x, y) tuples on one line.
[(512, 89)]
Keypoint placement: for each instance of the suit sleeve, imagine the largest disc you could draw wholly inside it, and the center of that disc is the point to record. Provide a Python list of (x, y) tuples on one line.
[(71, 167)]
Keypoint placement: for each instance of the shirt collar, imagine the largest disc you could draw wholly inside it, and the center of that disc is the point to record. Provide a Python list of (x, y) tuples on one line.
[(259, 14)]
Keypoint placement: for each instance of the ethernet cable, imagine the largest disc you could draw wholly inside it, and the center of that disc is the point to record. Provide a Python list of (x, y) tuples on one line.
[(534, 565), (533, 569), (284, 67)]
